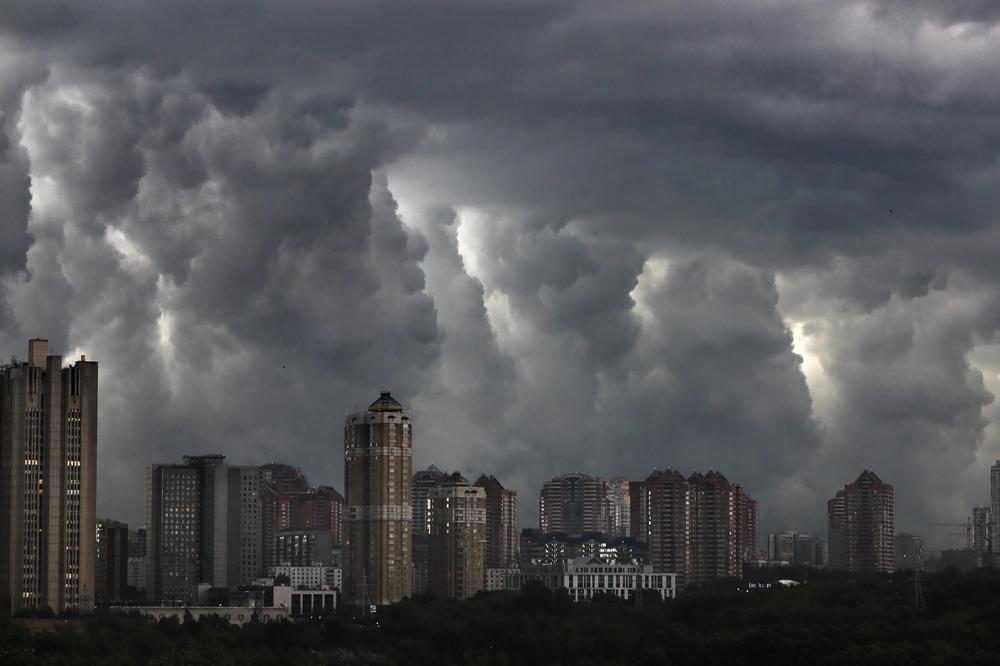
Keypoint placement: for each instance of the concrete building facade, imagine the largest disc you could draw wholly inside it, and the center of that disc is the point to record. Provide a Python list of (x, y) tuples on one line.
[(573, 503), (378, 472), (861, 520), (501, 523), (48, 482), (111, 562), (457, 545)]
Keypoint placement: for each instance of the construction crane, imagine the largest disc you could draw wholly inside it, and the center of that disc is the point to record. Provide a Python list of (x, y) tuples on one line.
[(967, 526)]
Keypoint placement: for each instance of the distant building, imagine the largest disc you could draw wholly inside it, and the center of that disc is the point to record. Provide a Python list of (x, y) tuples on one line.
[(305, 603), (574, 504), (422, 483), (284, 479), (458, 538), (502, 579), (639, 525), (309, 576), (908, 552), (982, 529), (111, 561), (554, 547), (861, 522), (794, 548), (137, 542), (173, 536), (378, 472), (136, 573), (963, 559), (204, 527), (619, 508), (584, 577), (48, 492), (501, 522), (301, 548), (995, 503)]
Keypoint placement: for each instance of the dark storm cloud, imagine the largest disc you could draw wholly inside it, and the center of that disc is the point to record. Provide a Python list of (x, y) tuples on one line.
[(615, 216)]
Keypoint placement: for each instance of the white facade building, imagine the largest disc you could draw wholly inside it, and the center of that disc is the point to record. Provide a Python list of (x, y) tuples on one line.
[(314, 576), (584, 577)]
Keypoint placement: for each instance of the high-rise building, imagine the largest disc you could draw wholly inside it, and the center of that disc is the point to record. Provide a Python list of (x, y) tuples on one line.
[(457, 538), (619, 508), (48, 476), (781, 546), (861, 519), (747, 538), (669, 504), (700, 528), (137, 542), (713, 527), (995, 502), (639, 526), (285, 479), (501, 523), (908, 552), (203, 526), (303, 548), (982, 529), (423, 481), (111, 576), (378, 458), (794, 548), (173, 533), (573, 503)]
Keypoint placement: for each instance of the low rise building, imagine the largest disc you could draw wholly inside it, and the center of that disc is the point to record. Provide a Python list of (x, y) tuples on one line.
[(233, 614), (583, 577), (302, 603), (309, 576)]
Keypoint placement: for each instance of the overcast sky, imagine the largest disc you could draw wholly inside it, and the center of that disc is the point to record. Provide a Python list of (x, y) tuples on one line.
[(572, 236)]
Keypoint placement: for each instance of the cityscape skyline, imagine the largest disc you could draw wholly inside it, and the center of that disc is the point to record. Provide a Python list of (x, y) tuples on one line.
[(569, 236)]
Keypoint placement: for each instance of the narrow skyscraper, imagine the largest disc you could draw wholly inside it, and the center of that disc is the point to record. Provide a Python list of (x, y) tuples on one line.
[(378, 471), (48, 476)]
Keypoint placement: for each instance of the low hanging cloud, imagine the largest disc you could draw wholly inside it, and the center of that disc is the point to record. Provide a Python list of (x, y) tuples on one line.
[(760, 238)]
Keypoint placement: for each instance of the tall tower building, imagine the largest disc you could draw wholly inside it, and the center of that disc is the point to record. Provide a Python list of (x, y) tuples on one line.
[(48, 475), (458, 538), (173, 533), (501, 523), (995, 503), (668, 501), (862, 523), (982, 529), (378, 471), (573, 503), (423, 481), (619, 509), (747, 538), (111, 575), (713, 527)]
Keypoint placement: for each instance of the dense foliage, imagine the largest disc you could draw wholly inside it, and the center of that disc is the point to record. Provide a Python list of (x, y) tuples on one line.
[(826, 621)]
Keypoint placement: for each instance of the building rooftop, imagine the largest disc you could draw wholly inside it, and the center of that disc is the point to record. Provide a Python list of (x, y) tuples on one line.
[(385, 403)]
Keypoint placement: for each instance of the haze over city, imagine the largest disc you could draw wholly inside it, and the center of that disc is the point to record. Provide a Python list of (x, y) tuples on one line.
[(756, 237)]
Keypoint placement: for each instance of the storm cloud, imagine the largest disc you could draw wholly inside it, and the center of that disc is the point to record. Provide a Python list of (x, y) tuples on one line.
[(572, 236)]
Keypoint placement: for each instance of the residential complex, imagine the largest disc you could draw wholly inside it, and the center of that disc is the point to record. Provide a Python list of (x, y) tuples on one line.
[(457, 545), (501, 522), (573, 503), (861, 522)]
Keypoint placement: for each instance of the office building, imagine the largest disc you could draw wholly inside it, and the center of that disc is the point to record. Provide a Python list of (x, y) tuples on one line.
[(136, 575), (137, 542), (48, 476), (573, 503), (791, 547), (781, 546), (584, 577), (173, 533), (457, 545), (908, 552), (501, 522), (861, 521), (203, 527), (619, 508), (111, 562), (378, 472)]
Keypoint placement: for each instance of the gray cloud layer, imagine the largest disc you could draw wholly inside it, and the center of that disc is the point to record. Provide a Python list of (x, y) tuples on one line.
[(572, 235)]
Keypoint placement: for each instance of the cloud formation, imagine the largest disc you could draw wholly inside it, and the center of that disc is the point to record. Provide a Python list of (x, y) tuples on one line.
[(572, 235)]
